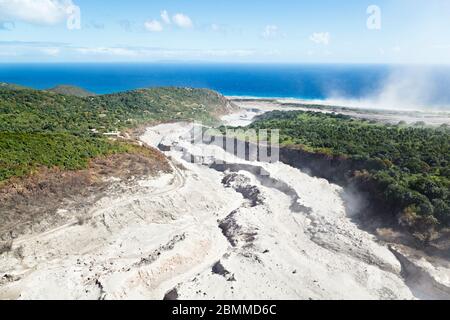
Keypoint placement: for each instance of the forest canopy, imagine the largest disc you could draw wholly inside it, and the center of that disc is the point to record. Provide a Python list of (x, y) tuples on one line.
[(409, 165)]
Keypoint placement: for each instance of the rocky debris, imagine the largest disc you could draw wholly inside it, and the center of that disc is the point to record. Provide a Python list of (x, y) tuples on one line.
[(8, 278), (102, 294), (5, 246), (171, 295), (235, 233), (157, 253), (296, 206), (241, 184), (266, 180), (219, 269), (251, 256), (230, 228), (164, 147)]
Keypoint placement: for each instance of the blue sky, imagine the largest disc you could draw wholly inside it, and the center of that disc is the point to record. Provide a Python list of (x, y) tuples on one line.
[(286, 31)]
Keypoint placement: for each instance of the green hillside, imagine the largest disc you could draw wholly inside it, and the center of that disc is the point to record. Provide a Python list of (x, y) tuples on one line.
[(39, 111), (71, 91), (40, 128)]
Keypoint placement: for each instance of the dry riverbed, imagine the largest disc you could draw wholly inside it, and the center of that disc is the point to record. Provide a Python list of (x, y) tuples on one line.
[(216, 232)]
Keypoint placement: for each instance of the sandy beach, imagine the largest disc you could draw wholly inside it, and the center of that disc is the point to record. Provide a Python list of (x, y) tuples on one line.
[(261, 105)]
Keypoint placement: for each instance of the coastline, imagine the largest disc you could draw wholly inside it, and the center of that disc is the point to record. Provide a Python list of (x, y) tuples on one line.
[(387, 116), (361, 104)]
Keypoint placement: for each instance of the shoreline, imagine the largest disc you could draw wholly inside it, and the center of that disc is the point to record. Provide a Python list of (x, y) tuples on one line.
[(392, 117), (344, 104)]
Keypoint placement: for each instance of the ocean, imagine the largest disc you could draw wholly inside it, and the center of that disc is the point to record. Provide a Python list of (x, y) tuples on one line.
[(393, 86)]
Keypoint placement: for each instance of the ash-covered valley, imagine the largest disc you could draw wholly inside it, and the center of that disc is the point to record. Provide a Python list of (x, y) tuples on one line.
[(209, 231)]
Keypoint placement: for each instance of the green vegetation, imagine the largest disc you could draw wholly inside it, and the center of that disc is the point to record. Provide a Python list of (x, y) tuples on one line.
[(10, 86), (409, 166), (38, 111), (71, 91), (40, 128), (22, 153)]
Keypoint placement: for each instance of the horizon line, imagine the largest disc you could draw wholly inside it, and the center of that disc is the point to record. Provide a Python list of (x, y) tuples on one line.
[(227, 63)]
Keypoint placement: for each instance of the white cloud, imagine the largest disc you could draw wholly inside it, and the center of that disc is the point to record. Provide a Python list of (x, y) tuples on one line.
[(320, 38), (114, 51), (270, 32), (158, 53), (51, 51), (182, 20), (39, 49), (153, 26), (165, 17), (41, 12), (227, 53)]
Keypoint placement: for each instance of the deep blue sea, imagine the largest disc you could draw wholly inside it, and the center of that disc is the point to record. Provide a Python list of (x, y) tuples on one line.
[(424, 85)]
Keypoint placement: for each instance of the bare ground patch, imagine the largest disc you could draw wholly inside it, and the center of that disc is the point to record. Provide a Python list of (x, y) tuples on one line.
[(46, 198)]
